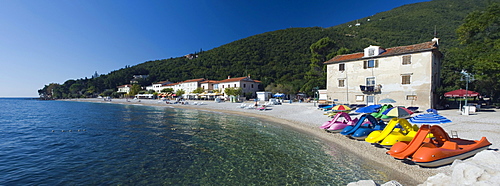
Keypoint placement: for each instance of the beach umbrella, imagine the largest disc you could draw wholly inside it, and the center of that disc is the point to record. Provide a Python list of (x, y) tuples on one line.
[(432, 111), (368, 109), (461, 93), (341, 108), (279, 95), (432, 118), (399, 112), (387, 100)]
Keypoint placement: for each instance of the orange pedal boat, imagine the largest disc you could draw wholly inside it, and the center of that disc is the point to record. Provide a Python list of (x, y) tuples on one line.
[(438, 151)]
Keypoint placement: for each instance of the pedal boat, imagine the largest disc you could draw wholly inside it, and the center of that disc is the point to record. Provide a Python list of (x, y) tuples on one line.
[(438, 151), (362, 128), (397, 129), (339, 122)]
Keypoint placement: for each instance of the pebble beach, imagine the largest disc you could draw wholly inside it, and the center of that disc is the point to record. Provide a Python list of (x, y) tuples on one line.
[(306, 118)]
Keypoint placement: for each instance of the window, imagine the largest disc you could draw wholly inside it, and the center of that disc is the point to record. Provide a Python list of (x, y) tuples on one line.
[(360, 98), (341, 67), (411, 97), (234, 85), (370, 64), (371, 52), (244, 85), (252, 86), (370, 81), (405, 79), (406, 60), (341, 82)]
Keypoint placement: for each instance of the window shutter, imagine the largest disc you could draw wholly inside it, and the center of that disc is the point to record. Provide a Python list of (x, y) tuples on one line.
[(376, 64), (365, 64)]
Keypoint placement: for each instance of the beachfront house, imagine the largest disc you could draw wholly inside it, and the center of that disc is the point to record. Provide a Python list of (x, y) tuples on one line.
[(158, 86), (189, 85), (247, 85), (124, 88), (407, 74), (209, 85)]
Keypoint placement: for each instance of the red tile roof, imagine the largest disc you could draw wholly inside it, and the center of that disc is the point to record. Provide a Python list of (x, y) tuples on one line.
[(169, 85), (210, 81), (193, 80), (237, 79), (431, 45), (127, 85)]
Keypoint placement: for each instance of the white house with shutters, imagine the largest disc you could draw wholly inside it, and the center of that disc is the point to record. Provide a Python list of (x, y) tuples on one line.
[(407, 74)]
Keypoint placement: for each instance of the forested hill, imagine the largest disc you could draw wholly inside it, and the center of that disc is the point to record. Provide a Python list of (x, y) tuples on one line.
[(284, 56)]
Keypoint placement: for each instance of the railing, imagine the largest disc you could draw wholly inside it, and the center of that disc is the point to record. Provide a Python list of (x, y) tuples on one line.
[(372, 89)]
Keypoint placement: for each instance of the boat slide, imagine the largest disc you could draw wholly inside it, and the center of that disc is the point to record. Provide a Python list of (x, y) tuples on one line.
[(339, 122), (440, 150), (377, 136), (362, 129)]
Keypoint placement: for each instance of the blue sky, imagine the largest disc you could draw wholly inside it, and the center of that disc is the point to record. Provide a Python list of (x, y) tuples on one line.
[(51, 41)]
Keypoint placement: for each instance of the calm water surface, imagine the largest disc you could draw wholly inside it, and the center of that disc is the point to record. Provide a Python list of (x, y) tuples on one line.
[(75, 143)]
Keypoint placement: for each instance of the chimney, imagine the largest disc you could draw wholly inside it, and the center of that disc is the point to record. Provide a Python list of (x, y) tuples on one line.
[(436, 40), (228, 77)]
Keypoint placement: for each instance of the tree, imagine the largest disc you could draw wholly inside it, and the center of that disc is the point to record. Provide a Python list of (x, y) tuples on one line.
[(167, 90), (198, 90), (134, 90), (233, 91), (180, 92), (480, 37)]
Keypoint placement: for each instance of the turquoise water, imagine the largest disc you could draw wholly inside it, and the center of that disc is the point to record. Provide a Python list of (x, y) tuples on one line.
[(75, 143)]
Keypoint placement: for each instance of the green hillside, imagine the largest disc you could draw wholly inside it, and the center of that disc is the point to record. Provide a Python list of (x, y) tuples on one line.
[(284, 56)]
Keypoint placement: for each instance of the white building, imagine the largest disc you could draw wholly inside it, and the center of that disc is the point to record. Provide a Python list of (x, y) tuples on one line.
[(124, 88), (247, 85), (158, 86), (189, 85), (407, 74)]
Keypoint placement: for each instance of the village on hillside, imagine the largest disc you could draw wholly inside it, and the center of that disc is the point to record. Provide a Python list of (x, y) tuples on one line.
[(408, 75)]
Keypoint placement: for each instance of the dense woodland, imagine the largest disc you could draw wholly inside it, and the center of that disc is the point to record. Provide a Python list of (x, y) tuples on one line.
[(292, 58)]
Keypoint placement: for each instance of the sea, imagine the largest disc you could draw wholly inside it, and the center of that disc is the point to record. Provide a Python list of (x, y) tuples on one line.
[(82, 143)]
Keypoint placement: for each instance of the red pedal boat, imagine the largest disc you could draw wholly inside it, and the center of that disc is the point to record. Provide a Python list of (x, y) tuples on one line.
[(438, 151)]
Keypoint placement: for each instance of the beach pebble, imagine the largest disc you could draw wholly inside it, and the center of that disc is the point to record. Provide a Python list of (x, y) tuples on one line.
[(363, 183)]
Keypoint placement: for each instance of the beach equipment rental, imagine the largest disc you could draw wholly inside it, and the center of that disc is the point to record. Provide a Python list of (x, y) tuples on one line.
[(381, 110), (338, 108), (387, 100), (399, 112), (429, 118), (438, 151), (363, 127), (341, 108), (368, 109), (397, 129), (339, 122)]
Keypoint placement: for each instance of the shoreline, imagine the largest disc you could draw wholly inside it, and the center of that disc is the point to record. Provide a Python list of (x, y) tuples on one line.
[(305, 118)]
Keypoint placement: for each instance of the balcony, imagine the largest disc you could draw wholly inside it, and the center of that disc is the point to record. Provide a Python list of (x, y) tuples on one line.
[(372, 89)]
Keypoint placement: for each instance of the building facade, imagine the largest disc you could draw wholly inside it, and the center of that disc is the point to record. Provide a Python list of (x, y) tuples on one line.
[(407, 74), (124, 88), (247, 85), (158, 86)]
